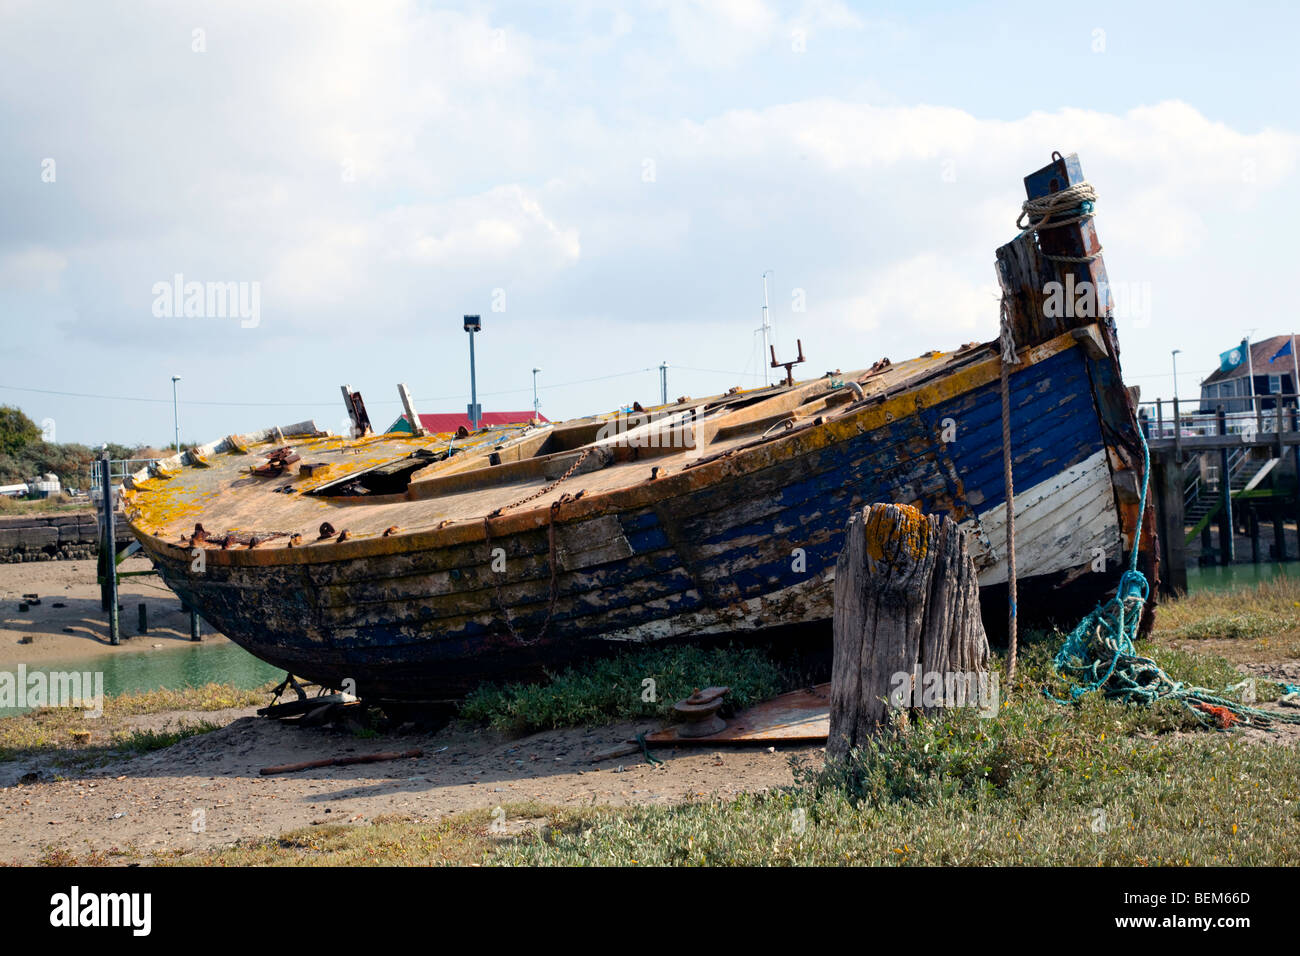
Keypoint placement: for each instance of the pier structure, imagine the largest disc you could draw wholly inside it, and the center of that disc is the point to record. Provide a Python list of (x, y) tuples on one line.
[(1219, 478)]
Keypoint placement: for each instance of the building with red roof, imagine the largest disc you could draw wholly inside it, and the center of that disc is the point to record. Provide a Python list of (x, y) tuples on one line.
[(450, 422)]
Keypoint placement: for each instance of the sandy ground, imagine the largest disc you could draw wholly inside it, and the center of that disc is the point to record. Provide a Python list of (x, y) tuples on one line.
[(149, 802), (68, 622)]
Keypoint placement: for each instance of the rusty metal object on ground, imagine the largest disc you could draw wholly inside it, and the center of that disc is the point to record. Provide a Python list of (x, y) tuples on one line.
[(276, 462), (699, 712), (799, 717)]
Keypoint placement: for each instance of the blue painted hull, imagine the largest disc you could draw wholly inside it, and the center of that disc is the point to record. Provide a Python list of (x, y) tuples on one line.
[(752, 552)]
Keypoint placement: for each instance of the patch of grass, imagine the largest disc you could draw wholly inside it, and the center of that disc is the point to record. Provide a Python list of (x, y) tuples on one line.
[(613, 689), (144, 741), (388, 840), (52, 855), (1095, 782), (51, 729), (25, 506), (1269, 609)]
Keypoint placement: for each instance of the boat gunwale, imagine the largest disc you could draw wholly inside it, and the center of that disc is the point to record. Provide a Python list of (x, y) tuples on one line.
[(909, 400)]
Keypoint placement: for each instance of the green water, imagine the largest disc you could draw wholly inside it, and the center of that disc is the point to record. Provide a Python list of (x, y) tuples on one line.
[(130, 671), (1234, 576)]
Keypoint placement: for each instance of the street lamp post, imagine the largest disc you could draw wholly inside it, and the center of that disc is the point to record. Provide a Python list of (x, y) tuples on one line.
[(536, 404), (1177, 423), (473, 324), (176, 419)]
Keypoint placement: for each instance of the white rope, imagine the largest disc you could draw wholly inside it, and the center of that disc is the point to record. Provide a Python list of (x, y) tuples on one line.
[(1037, 214), (1006, 337)]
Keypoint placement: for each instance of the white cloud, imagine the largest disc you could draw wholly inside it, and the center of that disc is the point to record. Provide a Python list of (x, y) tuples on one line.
[(377, 163), (718, 34), (35, 268)]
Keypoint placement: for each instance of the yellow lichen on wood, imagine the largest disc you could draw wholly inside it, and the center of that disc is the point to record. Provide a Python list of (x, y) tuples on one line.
[(897, 530)]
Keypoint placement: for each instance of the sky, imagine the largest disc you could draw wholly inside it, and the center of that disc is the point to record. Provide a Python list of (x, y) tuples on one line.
[(605, 184)]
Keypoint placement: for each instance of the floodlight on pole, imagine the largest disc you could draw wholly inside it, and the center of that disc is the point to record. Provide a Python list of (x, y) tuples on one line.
[(473, 324)]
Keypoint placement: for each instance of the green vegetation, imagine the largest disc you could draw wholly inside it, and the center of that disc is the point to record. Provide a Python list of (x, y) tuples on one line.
[(17, 431), (56, 730), (613, 689), (24, 455)]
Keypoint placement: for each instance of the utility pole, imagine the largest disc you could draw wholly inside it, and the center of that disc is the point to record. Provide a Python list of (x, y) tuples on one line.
[(663, 383), (536, 404), (176, 419)]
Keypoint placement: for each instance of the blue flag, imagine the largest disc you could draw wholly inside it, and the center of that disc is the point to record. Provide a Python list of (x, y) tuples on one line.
[(1232, 358), (1284, 350)]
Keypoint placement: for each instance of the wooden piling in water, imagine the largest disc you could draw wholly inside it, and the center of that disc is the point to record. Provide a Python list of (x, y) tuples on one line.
[(1279, 531), (1167, 487), (108, 546), (1227, 543)]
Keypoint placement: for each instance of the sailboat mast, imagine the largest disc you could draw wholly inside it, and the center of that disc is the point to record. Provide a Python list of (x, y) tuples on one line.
[(767, 330)]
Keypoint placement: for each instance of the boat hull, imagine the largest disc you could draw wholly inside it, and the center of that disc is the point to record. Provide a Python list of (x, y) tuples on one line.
[(737, 546)]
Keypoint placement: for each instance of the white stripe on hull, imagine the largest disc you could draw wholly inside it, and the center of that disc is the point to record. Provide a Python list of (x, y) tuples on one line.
[(1059, 523)]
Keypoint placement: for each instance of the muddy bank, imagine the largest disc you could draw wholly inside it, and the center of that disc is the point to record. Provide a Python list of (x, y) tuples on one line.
[(206, 791)]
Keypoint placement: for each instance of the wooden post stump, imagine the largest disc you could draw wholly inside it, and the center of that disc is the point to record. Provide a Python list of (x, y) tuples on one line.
[(906, 603)]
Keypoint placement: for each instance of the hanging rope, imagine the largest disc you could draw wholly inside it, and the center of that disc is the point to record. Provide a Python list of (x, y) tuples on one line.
[(1099, 654), (1073, 204), (1009, 358)]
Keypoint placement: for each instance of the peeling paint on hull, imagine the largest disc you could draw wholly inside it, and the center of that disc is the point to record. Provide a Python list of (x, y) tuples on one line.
[(736, 542)]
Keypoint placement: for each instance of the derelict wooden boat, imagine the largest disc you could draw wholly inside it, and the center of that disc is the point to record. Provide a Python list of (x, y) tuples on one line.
[(419, 566)]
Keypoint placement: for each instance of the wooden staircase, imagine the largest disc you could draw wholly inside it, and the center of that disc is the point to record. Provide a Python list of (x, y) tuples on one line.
[(1244, 476)]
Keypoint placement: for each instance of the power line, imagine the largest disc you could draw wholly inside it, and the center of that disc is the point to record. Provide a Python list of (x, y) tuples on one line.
[(437, 398)]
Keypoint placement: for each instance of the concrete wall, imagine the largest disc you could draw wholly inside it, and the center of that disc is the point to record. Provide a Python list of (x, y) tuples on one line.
[(53, 537)]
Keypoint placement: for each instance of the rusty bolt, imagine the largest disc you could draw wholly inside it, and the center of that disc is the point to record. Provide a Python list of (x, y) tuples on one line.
[(388, 532), (295, 540), (226, 542), (326, 530), (253, 543), (199, 534), (345, 534)]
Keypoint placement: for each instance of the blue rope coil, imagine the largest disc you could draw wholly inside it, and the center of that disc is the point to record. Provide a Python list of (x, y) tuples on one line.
[(1100, 654)]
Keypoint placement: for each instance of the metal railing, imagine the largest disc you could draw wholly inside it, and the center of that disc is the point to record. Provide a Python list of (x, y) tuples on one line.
[(118, 469), (1273, 413)]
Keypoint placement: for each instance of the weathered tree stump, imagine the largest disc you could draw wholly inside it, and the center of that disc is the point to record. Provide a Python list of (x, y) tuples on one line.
[(906, 609)]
